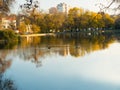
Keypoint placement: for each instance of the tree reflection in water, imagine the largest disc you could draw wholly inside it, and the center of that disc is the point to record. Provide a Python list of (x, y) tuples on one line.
[(35, 49), (5, 84)]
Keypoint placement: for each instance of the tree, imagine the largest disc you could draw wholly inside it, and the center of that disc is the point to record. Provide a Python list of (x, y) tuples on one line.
[(109, 22), (22, 28), (74, 18), (109, 6), (117, 23), (5, 5), (5, 83), (58, 19), (29, 7), (96, 20), (35, 28), (30, 13), (51, 22)]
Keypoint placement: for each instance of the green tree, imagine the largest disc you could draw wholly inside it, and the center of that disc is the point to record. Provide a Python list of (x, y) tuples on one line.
[(8, 35), (117, 23), (109, 21)]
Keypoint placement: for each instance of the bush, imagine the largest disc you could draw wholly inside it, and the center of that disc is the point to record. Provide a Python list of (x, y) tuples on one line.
[(8, 35)]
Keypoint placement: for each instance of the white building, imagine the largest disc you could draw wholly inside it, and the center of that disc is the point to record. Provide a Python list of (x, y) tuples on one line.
[(6, 22), (62, 7), (53, 10)]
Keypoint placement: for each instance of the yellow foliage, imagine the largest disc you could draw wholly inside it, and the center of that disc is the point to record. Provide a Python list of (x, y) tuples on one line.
[(35, 28), (22, 27)]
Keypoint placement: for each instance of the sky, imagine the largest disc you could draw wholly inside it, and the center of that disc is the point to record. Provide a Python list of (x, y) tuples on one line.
[(87, 4), (46, 4)]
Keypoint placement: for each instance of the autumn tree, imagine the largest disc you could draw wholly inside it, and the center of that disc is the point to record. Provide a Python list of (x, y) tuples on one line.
[(5, 5), (74, 18), (29, 10), (35, 28)]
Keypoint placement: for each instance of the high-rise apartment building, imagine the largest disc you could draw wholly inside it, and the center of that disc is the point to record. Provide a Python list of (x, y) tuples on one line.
[(63, 7), (53, 10)]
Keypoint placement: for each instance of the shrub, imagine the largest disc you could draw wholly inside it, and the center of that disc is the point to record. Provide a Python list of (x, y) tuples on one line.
[(8, 35)]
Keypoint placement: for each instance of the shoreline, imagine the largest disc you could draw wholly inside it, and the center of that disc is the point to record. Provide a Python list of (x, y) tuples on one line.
[(34, 35)]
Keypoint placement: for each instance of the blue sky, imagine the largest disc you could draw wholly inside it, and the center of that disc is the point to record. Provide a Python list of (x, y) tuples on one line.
[(46, 4)]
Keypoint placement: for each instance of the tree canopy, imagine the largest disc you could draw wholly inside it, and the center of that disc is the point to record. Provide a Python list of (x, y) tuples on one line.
[(5, 5)]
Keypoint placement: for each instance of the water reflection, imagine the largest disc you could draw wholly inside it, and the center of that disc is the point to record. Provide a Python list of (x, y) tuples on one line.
[(34, 49), (8, 45), (56, 56), (5, 83), (77, 45)]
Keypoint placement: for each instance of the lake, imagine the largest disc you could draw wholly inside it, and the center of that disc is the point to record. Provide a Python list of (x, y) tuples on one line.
[(62, 62)]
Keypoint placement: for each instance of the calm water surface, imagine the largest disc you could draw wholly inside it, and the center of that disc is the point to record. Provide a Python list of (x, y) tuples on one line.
[(61, 63)]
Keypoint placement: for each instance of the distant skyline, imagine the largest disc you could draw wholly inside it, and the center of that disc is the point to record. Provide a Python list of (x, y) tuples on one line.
[(45, 5), (85, 4)]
